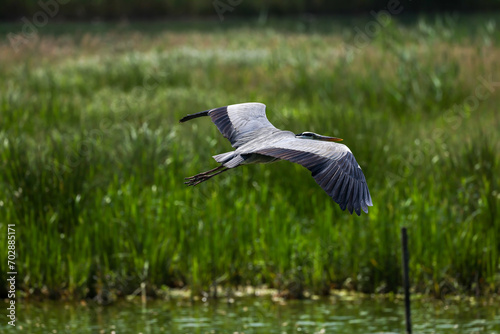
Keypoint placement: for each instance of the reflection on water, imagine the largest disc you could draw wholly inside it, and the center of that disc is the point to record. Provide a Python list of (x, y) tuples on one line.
[(258, 315)]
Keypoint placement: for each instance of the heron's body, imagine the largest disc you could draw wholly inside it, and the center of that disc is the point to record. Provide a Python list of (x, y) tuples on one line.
[(256, 140)]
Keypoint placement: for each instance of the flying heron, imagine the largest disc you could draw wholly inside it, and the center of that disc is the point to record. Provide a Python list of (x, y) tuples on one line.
[(256, 140)]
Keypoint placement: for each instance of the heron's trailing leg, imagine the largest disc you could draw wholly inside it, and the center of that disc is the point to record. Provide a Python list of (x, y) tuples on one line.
[(199, 178), (205, 173)]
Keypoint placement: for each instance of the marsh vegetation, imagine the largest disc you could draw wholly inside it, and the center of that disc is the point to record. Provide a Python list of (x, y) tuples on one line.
[(93, 159)]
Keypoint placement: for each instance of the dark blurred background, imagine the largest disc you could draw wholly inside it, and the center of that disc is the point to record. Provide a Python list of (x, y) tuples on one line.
[(84, 9)]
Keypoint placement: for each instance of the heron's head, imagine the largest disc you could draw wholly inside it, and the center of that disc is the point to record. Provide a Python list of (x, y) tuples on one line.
[(315, 136)]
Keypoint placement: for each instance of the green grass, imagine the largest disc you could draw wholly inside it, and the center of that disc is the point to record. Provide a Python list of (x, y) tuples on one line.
[(93, 158)]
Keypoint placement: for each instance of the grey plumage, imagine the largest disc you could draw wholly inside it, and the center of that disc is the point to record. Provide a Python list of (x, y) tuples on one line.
[(256, 140)]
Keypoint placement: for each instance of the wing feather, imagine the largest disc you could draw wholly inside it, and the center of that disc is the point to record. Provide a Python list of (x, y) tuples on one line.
[(236, 121), (334, 179), (332, 166), (343, 191), (355, 198), (336, 195)]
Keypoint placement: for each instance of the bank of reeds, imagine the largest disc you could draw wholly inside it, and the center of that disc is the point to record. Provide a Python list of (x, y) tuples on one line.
[(93, 160)]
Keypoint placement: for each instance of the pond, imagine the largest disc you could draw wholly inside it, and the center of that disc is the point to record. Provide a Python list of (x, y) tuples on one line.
[(260, 315)]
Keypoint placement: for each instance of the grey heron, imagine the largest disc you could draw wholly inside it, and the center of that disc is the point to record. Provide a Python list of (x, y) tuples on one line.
[(256, 140)]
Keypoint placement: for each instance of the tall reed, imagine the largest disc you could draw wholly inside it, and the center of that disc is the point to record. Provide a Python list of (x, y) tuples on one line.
[(93, 160)]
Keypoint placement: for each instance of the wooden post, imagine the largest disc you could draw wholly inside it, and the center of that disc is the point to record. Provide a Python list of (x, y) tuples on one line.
[(406, 279)]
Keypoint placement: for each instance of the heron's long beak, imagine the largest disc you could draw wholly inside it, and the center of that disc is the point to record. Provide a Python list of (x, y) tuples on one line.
[(326, 138)]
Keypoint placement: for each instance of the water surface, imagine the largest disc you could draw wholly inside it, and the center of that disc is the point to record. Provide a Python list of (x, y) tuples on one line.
[(259, 315)]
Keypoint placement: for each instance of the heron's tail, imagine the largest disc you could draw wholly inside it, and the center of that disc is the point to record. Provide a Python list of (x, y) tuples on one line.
[(229, 159), (223, 157), (191, 116)]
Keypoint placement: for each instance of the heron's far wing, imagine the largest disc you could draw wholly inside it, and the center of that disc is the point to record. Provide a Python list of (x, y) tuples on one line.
[(333, 167), (236, 120)]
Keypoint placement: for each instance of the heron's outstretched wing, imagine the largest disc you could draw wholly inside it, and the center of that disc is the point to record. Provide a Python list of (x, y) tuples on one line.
[(237, 121), (332, 165)]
